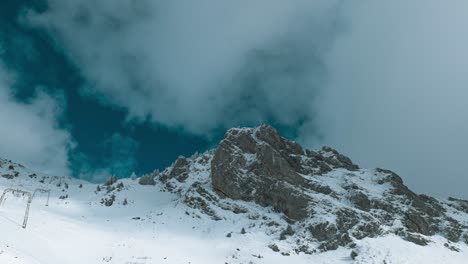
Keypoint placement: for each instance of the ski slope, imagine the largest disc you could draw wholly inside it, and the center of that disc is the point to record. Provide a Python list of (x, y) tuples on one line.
[(155, 227)]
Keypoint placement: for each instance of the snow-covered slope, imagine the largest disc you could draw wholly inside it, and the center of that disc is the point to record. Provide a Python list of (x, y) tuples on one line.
[(183, 217)]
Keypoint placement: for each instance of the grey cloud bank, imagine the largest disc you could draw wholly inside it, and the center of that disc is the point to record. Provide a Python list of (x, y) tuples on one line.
[(398, 90), (385, 82)]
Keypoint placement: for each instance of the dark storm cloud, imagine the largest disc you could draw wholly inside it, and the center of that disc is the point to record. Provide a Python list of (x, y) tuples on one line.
[(383, 81)]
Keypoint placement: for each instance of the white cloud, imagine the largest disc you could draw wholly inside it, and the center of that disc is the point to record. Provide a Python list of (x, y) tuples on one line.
[(199, 65), (383, 81), (29, 132)]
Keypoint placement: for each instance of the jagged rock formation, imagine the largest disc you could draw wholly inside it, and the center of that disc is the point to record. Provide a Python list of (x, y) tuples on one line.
[(259, 165), (314, 200), (327, 198)]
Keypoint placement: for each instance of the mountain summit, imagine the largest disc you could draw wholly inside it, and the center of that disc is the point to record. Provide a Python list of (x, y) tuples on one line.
[(257, 192), (326, 197)]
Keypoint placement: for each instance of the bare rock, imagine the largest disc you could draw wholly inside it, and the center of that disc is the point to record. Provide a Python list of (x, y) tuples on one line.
[(418, 224), (180, 169)]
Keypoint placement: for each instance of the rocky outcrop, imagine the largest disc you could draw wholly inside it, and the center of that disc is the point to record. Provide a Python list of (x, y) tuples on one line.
[(259, 165), (180, 169), (322, 195)]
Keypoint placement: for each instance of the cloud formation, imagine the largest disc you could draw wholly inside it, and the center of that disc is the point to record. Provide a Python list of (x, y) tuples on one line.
[(398, 91), (29, 131), (197, 65), (383, 81)]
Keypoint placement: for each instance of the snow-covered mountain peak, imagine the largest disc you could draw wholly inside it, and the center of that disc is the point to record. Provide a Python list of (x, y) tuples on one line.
[(328, 200), (257, 192)]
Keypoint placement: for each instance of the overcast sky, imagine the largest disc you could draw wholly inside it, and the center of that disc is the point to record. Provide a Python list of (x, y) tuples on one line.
[(383, 82)]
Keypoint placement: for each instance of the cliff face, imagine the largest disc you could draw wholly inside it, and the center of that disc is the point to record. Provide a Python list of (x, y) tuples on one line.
[(327, 197), (259, 165)]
